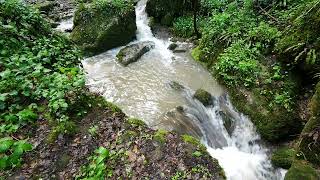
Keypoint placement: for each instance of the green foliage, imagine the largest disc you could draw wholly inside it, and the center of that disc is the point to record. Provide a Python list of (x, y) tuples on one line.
[(36, 67), (197, 154), (96, 169), (238, 65), (183, 26), (179, 175), (301, 42), (11, 152)]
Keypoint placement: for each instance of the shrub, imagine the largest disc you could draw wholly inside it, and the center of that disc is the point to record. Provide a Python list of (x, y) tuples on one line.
[(237, 65)]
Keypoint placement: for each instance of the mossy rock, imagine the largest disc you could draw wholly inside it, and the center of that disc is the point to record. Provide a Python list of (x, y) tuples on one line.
[(274, 126), (309, 145), (191, 140), (102, 26), (301, 170), (204, 97), (283, 157)]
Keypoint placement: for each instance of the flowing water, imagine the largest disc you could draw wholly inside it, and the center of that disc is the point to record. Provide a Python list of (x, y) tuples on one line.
[(144, 89)]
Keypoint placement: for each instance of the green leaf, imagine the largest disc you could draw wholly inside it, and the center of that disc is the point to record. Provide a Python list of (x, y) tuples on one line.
[(5, 144), (3, 162), (103, 152)]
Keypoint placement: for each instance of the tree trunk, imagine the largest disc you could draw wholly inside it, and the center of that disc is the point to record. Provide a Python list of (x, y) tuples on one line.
[(195, 12)]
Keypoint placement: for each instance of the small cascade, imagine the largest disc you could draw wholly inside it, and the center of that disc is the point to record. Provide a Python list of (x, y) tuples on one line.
[(240, 153)]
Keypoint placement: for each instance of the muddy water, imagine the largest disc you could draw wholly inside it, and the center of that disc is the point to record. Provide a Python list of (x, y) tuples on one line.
[(143, 90)]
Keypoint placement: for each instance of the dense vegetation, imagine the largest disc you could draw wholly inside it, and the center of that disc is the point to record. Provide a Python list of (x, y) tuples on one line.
[(267, 54), (40, 78)]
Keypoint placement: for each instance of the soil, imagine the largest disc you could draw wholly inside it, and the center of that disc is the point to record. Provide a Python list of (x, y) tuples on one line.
[(140, 151)]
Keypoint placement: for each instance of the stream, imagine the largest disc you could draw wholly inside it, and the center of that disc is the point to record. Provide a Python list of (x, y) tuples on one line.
[(144, 90)]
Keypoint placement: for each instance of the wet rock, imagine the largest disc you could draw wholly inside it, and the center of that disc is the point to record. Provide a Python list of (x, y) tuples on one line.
[(176, 86), (228, 121), (179, 50), (204, 97), (133, 52), (180, 122), (172, 46), (68, 30)]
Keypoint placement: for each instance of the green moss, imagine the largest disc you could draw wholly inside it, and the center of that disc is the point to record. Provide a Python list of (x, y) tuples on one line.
[(136, 122), (191, 140), (283, 157), (160, 136), (204, 97), (196, 52), (129, 134), (302, 170), (274, 126)]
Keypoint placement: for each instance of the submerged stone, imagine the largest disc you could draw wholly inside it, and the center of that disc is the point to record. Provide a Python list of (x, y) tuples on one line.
[(204, 97), (133, 52), (176, 86)]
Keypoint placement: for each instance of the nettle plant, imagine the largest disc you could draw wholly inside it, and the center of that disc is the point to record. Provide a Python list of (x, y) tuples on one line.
[(11, 152)]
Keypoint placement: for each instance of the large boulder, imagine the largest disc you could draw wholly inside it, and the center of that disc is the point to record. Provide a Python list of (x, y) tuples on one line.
[(103, 25), (133, 52)]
